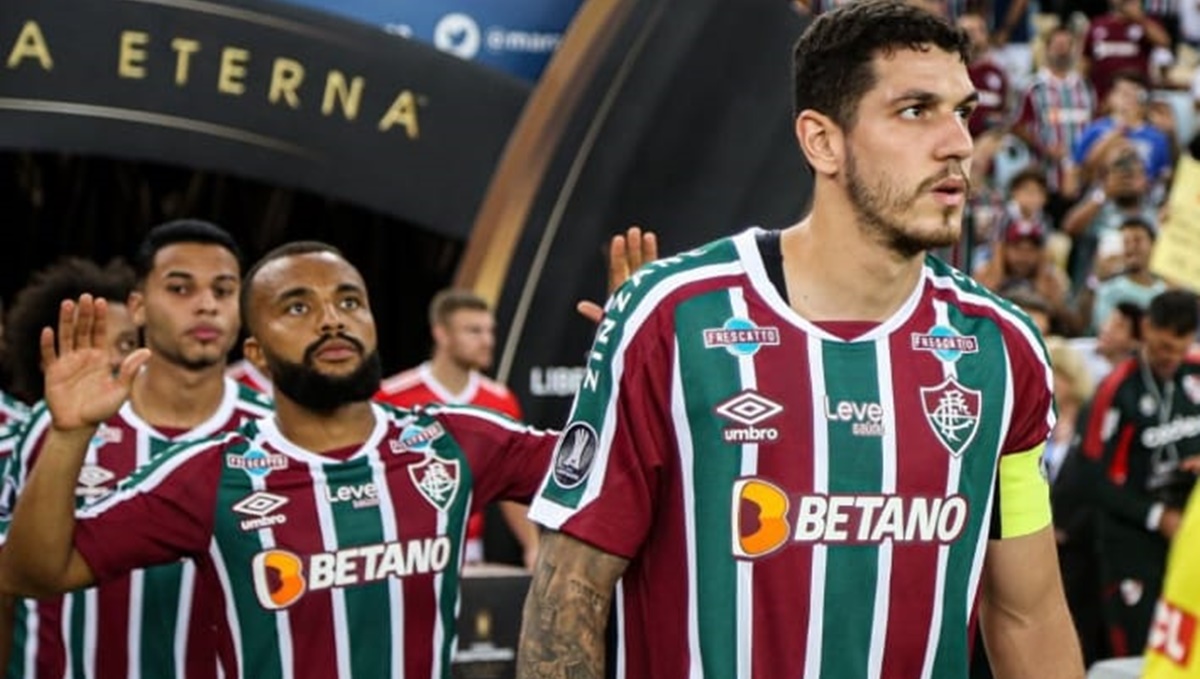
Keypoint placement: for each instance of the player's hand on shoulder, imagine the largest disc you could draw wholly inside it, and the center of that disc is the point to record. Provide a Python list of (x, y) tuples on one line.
[(82, 389), (627, 252)]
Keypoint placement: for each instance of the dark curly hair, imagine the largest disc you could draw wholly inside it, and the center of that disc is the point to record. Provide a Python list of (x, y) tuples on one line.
[(36, 306), (832, 61)]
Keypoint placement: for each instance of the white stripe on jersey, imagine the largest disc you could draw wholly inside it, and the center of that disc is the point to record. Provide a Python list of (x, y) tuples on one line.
[(683, 434), (489, 416), (553, 515), (439, 587), (953, 473), (231, 611), (820, 447), (329, 540), (745, 568), (32, 622), (619, 596), (183, 617), (883, 578), (391, 533), (137, 589), (283, 619)]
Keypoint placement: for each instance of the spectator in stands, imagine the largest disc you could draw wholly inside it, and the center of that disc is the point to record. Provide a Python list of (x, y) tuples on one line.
[(1136, 284), (1021, 261), (988, 76), (1121, 193), (36, 307), (1054, 110), (1128, 104), (1123, 39), (1011, 23)]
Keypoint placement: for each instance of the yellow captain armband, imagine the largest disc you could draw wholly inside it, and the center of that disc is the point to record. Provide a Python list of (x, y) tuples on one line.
[(1022, 497)]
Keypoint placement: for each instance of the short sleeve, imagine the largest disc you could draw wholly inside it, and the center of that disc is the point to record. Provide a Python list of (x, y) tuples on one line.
[(603, 483)]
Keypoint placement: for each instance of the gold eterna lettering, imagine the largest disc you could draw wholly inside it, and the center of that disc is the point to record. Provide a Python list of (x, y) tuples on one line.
[(233, 71), (30, 43), (286, 76), (184, 49), (132, 57)]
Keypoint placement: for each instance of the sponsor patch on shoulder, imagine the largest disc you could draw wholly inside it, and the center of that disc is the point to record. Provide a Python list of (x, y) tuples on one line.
[(574, 455)]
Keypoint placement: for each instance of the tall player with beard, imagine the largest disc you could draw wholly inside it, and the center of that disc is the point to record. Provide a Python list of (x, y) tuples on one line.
[(815, 452), (330, 535), (150, 622)]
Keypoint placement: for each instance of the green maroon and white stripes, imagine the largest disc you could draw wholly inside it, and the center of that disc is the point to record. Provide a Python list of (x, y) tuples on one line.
[(825, 498)]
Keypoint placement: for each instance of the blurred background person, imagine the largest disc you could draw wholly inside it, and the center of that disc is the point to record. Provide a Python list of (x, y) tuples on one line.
[(1135, 283), (36, 307), (1054, 110), (1118, 339), (1143, 423), (1121, 40)]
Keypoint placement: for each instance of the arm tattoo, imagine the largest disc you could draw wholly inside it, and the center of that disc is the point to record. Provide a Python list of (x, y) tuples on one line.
[(562, 634)]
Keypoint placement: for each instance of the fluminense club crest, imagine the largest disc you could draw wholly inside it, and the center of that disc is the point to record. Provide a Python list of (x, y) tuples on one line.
[(952, 411), (437, 479)]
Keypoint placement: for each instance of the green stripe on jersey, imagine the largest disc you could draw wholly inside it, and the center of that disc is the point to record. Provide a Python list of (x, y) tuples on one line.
[(712, 478), (983, 371), (456, 518), (256, 626), (855, 467), (369, 637)]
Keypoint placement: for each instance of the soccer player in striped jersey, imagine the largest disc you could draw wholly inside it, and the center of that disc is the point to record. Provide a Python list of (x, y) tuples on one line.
[(153, 622), (814, 453), (328, 536)]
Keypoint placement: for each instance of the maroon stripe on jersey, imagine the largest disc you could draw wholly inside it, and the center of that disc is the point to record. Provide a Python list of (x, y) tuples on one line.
[(208, 603), (51, 654), (420, 600), (311, 618), (781, 581), (1106, 393), (921, 469), (112, 633)]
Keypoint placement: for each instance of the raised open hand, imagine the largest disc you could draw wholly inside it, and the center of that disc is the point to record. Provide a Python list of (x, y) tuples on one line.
[(627, 252), (81, 389)]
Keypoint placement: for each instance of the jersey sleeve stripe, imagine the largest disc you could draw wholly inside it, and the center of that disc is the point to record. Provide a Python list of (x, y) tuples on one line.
[(485, 414), (1025, 496), (546, 510), (152, 476), (1102, 402)]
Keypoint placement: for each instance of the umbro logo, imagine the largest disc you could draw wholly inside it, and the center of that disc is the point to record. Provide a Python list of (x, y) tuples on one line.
[(749, 408), (261, 505)]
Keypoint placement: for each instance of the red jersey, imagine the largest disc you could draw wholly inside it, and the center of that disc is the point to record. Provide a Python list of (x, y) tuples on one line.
[(1114, 44), (417, 386), (992, 84)]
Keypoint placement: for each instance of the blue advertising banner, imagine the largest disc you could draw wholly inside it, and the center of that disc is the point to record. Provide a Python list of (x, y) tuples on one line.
[(516, 36)]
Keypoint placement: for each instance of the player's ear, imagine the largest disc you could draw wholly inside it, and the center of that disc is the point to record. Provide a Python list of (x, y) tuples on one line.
[(136, 304), (821, 140), (252, 351)]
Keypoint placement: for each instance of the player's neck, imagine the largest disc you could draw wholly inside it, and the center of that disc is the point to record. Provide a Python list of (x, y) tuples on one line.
[(168, 395), (834, 273), (452, 376), (348, 425)]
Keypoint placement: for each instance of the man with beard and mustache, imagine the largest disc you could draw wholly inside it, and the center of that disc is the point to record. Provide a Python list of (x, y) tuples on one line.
[(152, 622), (805, 452), (329, 536)]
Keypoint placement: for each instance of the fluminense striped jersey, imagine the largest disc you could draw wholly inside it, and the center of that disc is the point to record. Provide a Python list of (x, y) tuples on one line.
[(344, 564), (795, 504), (12, 411), (149, 623)]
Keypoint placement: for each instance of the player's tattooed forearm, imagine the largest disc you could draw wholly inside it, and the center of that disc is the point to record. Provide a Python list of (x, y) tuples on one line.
[(565, 616)]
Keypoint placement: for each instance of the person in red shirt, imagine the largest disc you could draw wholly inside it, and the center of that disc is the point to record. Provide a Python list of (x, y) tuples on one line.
[(988, 76), (1118, 41)]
